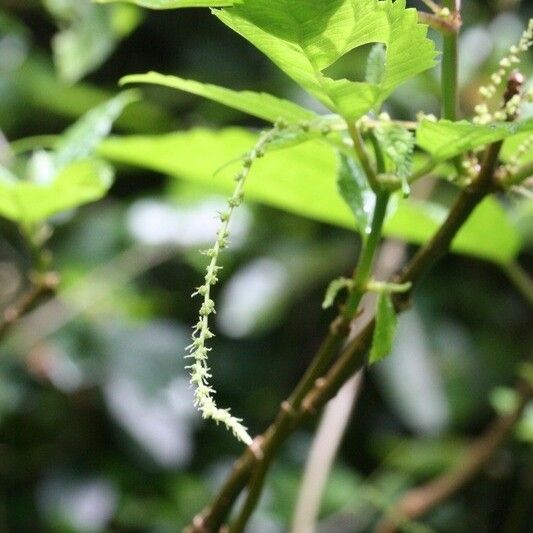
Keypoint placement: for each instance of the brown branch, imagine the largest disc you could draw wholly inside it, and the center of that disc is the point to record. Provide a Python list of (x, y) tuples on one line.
[(419, 501), (44, 284)]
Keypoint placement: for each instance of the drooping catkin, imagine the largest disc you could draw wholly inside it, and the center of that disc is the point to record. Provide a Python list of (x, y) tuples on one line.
[(198, 349)]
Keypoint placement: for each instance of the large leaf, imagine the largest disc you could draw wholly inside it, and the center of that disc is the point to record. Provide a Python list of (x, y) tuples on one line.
[(173, 4), (446, 139), (302, 180), (261, 105), (80, 140), (304, 37), (78, 183)]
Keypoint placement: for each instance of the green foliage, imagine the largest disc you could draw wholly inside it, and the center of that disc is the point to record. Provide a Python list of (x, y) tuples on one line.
[(77, 183), (355, 191), (67, 177), (332, 29), (398, 145), (89, 34), (385, 329), (445, 139), (302, 180), (173, 4), (81, 139), (261, 105)]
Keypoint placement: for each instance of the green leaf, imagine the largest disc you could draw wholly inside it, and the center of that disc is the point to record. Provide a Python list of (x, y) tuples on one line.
[(375, 64), (78, 183), (488, 234), (302, 180), (398, 146), (355, 191), (261, 105), (89, 34), (80, 140), (446, 139), (304, 37), (385, 329), (173, 4)]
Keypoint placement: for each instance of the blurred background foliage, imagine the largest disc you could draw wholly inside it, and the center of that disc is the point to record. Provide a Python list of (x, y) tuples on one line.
[(97, 427)]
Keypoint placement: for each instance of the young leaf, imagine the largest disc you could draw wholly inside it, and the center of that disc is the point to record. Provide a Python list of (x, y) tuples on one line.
[(398, 146), (173, 4), (355, 191), (80, 140), (78, 183), (446, 139), (333, 289), (302, 180), (261, 105), (304, 37), (385, 329)]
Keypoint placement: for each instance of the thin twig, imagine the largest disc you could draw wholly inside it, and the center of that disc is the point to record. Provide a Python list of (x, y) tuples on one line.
[(449, 76), (46, 283), (419, 501)]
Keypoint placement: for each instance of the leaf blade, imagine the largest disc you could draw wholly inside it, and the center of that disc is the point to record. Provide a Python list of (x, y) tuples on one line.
[(445, 139), (304, 37), (261, 105), (301, 180), (78, 183)]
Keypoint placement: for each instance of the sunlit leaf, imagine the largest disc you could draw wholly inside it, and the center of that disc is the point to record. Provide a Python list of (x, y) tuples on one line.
[(83, 136), (261, 105), (302, 180), (78, 183), (445, 139), (386, 322), (304, 37)]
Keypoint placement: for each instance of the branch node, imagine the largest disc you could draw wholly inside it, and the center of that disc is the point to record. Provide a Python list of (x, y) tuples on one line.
[(288, 408), (339, 326), (256, 448)]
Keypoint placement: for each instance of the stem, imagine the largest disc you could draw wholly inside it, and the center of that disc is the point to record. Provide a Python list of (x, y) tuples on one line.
[(360, 150), (354, 355), (449, 78), (366, 260)]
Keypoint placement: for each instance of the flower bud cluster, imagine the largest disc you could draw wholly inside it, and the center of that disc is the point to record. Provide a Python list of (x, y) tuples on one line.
[(523, 149), (507, 63)]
